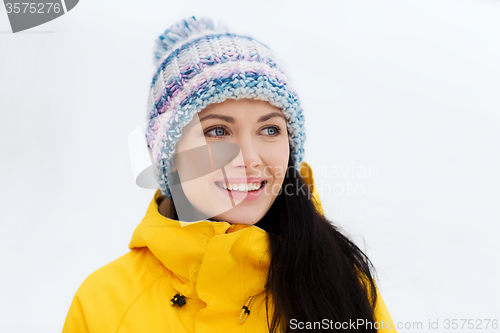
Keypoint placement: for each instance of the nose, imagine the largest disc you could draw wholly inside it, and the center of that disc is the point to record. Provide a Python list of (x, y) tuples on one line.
[(249, 156)]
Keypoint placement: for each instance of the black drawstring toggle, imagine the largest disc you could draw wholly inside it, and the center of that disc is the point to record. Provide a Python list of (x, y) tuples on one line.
[(178, 299), (245, 311)]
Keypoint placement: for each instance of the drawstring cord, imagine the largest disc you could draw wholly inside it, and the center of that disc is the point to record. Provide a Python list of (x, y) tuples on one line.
[(246, 309), (180, 300)]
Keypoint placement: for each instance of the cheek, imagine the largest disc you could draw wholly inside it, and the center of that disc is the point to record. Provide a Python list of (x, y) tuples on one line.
[(276, 161), (205, 197), (195, 192)]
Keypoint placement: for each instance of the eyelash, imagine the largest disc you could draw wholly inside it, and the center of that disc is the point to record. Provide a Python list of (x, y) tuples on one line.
[(276, 128)]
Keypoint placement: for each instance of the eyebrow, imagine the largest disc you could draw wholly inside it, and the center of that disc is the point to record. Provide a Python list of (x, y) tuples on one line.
[(231, 119)]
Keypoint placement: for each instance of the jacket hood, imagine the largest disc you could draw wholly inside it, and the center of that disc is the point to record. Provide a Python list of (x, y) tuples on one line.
[(209, 261)]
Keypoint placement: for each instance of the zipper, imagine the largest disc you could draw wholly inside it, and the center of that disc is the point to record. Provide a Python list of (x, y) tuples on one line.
[(230, 229)]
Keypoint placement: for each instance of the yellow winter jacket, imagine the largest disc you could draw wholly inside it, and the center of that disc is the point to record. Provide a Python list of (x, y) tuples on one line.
[(217, 267)]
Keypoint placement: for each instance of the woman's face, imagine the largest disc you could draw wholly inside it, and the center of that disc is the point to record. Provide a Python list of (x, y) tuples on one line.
[(254, 177)]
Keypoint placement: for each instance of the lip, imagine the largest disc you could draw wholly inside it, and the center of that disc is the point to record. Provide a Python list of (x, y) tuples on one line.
[(242, 180), (244, 196)]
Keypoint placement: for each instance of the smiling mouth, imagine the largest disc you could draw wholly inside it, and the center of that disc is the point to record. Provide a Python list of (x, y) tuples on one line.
[(241, 187)]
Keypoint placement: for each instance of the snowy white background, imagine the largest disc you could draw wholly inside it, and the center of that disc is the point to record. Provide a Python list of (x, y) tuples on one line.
[(406, 88)]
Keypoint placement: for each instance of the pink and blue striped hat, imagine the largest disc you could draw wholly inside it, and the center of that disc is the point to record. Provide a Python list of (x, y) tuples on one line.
[(199, 64)]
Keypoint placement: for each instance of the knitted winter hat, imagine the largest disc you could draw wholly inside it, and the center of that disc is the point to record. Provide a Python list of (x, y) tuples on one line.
[(199, 64)]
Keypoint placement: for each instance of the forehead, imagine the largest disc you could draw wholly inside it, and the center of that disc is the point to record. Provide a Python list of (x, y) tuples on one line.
[(240, 106)]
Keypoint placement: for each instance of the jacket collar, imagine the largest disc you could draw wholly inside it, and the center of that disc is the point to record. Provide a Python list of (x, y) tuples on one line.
[(204, 257), (211, 261)]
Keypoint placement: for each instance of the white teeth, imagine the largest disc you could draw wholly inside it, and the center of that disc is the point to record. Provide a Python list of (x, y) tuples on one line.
[(242, 187)]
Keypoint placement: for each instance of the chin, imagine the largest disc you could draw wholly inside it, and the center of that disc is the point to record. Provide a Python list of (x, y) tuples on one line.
[(239, 216)]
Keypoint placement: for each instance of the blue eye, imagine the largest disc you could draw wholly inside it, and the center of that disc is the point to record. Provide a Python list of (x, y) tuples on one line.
[(218, 131), (272, 131)]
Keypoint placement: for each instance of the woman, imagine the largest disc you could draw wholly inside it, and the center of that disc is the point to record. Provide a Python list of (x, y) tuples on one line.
[(235, 239)]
